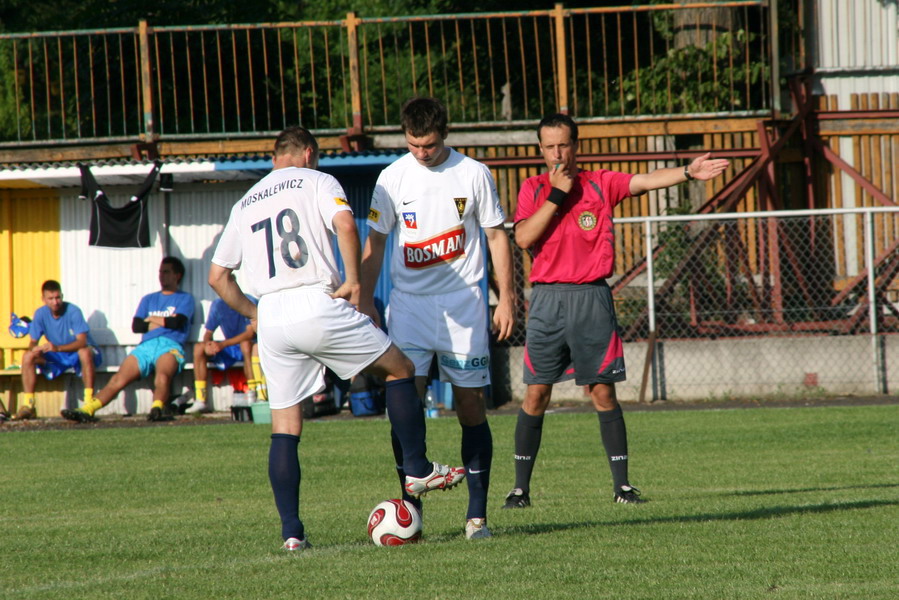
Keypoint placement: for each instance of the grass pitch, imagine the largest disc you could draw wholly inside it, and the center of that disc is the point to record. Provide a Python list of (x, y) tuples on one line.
[(759, 503)]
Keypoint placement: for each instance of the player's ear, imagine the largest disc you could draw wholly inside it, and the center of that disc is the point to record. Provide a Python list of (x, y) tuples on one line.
[(311, 158)]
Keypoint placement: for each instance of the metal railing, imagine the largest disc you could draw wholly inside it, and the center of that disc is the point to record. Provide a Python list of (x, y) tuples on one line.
[(350, 75)]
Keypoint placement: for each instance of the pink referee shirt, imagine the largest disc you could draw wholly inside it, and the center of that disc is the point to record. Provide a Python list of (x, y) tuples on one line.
[(578, 246)]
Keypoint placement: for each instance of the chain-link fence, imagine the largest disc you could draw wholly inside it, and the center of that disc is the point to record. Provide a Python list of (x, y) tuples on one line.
[(745, 304)]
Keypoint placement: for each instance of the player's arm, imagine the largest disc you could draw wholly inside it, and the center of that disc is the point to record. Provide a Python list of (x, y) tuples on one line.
[(372, 257), (528, 231), (172, 322), (247, 334), (79, 343), (350, 251), (501, 255), (225, 285), (702, 168)]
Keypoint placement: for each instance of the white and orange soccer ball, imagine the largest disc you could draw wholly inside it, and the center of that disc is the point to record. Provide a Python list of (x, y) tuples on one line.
[(394, 523)]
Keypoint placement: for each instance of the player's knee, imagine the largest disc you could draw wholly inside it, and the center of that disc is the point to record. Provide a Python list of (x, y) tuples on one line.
[(404, 368)]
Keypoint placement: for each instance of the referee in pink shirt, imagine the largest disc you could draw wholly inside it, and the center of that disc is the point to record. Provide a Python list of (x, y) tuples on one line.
[(564, 216)]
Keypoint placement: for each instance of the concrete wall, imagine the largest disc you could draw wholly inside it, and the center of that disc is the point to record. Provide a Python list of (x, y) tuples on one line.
[(747, 367)]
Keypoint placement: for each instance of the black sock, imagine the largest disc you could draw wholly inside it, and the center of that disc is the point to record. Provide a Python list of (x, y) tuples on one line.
[(284, 475), (614, 438), (477, 456), (398, 457), (528, 433), (408, 422)]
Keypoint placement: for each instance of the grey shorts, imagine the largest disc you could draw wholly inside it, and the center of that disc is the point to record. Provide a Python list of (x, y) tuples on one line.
[(572, 332)]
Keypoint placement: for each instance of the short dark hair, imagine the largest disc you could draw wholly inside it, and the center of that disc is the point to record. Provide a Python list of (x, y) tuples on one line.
[(424, 116), (558, 120), (295, 139), (51, 285), (177, 265)]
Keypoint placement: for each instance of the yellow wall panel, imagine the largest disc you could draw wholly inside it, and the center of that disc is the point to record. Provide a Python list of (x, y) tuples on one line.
[(29, 255)]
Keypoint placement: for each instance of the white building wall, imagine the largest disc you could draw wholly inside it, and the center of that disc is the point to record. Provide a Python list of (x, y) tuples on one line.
[(856, 47), (108, 283)]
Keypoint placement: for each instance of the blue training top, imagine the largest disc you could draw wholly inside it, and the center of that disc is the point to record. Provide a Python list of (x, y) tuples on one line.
[(63, 330), (232, 322), (158, 304)]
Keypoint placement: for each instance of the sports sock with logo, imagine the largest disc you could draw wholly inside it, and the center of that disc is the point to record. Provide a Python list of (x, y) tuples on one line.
[(200, 391), (284, 475), (27, 399), (614, 438), (92, 406), (398, 457), (407, 420), (528, 433), (477, 456)]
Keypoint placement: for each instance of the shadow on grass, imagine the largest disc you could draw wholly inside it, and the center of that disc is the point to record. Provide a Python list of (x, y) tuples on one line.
[(750, 515), (872, 486)]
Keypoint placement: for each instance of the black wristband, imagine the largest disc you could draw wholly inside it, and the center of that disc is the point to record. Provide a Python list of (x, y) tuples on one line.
[(687, 173), (557, 196)]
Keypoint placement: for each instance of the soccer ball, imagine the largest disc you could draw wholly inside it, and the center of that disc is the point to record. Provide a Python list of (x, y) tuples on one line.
[(394, 523)]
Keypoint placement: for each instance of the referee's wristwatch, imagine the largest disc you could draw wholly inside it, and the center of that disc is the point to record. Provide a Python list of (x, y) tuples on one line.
[(687, 172)]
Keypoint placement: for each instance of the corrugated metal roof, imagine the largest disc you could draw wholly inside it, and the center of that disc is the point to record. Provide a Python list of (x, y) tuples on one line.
[(184, 170)]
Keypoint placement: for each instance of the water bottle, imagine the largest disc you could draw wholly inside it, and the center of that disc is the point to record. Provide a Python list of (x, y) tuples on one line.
[(431, 404)]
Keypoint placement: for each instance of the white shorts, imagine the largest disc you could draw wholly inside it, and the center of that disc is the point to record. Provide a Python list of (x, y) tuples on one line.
[(303, 330), (453, 326)]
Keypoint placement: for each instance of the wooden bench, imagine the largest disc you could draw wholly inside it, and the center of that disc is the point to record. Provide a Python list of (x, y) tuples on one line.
[(66, 390)]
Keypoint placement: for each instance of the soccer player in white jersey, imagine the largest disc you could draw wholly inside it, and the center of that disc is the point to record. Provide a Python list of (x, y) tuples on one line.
[(280, 233), (438, 202)]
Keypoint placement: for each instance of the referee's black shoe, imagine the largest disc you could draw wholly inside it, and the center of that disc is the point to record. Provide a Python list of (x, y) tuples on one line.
[(517, 498), (628, 495)]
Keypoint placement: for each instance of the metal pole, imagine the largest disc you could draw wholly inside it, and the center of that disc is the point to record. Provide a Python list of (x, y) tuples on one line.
[(650, 288), (561, 55), (651, 309), (775, 60), (352, 24), (146, 76), (872, 301)]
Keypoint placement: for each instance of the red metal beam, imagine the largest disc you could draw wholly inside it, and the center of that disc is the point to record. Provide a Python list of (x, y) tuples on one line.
[(869, 187)]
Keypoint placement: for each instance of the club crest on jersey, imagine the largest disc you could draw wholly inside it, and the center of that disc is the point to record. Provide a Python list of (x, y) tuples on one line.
[(586, 220), (460, 205), (443, 248), (410, 220), (373, 215), (341, 201)]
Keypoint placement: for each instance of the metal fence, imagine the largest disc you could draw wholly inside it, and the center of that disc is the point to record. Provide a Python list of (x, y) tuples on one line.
[(353, 74), (753, 304)]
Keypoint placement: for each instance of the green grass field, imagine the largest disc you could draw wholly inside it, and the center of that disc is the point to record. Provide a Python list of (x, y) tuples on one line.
[(756, 503)]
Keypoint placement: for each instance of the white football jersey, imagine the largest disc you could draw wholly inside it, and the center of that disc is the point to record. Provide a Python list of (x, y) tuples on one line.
[(280, 232), (438, 213)]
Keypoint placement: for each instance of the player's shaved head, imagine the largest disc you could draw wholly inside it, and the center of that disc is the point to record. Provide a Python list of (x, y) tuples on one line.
[(51, 285), (421, 117), (295, 140)]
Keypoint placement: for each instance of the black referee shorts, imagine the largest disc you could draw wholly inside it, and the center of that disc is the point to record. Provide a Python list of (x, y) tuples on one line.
[(572, 332)]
